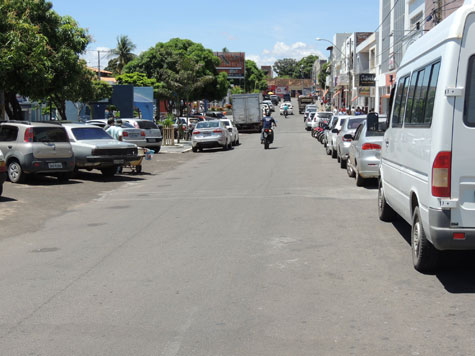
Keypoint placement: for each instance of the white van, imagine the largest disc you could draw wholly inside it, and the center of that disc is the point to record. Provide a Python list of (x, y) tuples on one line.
[(427, 158)]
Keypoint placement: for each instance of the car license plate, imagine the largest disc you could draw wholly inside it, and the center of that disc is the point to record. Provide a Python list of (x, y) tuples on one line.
[(151, 140), (206, 133), (118, 161), (55, 165)]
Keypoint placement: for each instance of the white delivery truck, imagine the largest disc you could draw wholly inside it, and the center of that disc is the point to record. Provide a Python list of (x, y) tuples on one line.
[(247, 113), (427, 165)]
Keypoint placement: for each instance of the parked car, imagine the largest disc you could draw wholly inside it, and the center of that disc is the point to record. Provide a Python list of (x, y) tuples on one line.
[(427, 165), (269, 104), (233, 130), (309, 120), (36, 148), (364, 154), (126, 132), (333, 133), (3, 171), (290, 108), (344, 138), (331, 124), (318, 118), (308, 109), (210, 134), (96, 149), (153, 134)]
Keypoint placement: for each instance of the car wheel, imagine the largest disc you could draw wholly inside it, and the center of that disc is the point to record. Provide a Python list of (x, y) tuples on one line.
[(342, 163), (230, 146), (333, 153), (360, 181), (138, 169), (157, 149), (15, 172), (225, 147), (108, 172), (386, 213), (350, 171), (424, 254), (194, 149), (338, 159), (200, 149), (329, 152)]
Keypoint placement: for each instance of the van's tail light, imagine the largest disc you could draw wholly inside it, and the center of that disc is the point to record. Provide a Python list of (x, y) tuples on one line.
[(441, 175), (125, 134), (142, 133), (28, 134), (370, 146)]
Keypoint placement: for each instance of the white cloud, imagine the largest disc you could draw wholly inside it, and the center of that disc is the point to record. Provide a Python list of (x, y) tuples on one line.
[(92, 56), (296, 50)]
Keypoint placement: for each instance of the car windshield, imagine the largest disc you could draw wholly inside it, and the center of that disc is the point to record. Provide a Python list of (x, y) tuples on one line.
[(325, 115), (354, 123), (50, 134), (207, 124), (90, 133), (126, 125), (146, 124)]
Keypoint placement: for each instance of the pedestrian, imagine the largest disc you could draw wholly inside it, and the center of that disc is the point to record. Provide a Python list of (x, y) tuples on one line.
[(110, 122)]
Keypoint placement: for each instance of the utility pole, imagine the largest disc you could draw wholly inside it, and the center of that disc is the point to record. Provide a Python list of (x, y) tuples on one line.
[(99, 64)]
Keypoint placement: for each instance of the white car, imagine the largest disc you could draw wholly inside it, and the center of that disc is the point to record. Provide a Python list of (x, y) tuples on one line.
[(333, 133), (233, 130), (290, 108), (427, 165), (211, 134), (269, 104), (153, 134)]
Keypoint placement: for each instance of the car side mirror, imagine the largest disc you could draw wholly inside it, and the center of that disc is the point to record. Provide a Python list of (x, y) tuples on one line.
[(335, 131), (348, 137)]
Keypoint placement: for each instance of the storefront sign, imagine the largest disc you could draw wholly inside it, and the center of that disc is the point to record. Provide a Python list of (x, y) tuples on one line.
[(364, 91), (367, 80)]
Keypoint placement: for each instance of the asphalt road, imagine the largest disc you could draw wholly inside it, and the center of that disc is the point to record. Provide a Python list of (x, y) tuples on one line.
[(245, 252)]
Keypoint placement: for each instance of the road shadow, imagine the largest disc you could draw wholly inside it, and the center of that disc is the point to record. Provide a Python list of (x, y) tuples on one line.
[(456, 269), (212, 150), (42, 180), (273, 148), (99, 178), (7, 200), (371, 184)]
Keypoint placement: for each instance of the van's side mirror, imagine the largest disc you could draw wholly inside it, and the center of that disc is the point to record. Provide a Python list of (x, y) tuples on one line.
[(335, 131)]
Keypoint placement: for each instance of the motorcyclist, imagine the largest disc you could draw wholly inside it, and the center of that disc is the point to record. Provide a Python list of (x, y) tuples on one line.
[(286, 109), (267, 122)]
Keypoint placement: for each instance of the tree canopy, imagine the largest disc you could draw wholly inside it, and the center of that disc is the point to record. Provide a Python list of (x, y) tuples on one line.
[(291, 68), (39, 55), (255, 77), (183, 69)]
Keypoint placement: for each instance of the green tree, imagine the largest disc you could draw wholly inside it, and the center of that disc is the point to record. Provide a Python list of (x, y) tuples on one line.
[(40, 54), (165, 61), (255, 78), (123, 53), (325, 71), (285, 67), (305, 67)]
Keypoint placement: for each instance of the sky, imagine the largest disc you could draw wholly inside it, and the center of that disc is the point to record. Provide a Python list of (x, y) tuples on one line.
[(264, 30)]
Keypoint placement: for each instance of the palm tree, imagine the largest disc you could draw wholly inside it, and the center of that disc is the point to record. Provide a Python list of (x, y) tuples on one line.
[(123, 51)]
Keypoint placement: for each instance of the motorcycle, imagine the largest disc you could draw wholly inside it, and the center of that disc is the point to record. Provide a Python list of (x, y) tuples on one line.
[(268, 138)]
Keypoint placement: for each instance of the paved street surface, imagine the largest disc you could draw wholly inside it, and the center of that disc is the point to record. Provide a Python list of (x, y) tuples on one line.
[(245, 252)]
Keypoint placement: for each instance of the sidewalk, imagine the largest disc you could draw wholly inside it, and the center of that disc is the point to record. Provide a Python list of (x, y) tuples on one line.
[(182, 147)]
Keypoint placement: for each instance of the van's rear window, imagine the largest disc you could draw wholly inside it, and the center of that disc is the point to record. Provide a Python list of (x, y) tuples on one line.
[(50, 134), (469, 106)]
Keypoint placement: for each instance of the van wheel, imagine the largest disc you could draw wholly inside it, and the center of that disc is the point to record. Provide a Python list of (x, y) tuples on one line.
[(386, 213), (424, 254), (15, 172)]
